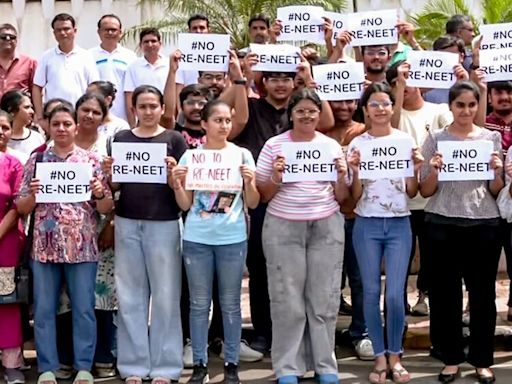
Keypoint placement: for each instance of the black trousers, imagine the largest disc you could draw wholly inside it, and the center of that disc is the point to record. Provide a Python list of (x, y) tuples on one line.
[(506, 238), (470, 253)]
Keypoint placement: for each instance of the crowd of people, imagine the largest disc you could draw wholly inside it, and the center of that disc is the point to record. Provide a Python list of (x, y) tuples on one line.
[(124, 282)]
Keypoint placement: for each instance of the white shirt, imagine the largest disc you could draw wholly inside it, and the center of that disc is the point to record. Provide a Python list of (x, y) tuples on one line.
[(141, 72), (112, 67), (187, 77), (111, 128), (65, 75)]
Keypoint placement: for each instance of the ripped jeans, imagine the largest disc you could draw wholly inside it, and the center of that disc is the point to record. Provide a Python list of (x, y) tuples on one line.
[(228, 262)]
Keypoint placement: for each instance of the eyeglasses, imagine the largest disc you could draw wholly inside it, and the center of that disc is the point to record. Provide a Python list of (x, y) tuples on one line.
[(5, 36), (377, 104), (277, 80), (468, 29), (194, 103), (218, 78), (376, 53), (304, 112)]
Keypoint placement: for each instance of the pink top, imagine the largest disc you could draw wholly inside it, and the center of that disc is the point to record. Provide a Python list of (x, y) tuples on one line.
[(19, 76), (300, 201)]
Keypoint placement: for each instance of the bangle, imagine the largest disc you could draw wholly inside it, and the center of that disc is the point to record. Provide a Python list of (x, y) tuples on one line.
[(99, 198), (273, 181), (240, 81)]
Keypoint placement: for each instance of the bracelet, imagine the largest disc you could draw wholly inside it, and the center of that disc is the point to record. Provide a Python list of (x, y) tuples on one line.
[(274, 182), (99, 198)]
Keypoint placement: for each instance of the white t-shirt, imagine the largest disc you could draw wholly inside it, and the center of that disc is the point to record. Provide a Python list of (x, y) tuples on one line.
[(141, 72), (418, 123), (382, 197), (65, 75), (111, 128), (187, 77), (31, 140), (112, 67)]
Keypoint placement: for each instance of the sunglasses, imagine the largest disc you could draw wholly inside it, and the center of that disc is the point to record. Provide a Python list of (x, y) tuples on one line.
[(5, 36)]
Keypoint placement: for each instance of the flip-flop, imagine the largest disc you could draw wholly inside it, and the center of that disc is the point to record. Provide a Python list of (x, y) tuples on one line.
[(47, 378), (381, 376), (83, 377), (160, 380), (400, 375), (133, 380)]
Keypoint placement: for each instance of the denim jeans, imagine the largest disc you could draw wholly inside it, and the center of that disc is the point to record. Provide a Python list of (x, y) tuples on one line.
[(81, 280), (148, 266), (389, 239), (202, 262), (357, 328)]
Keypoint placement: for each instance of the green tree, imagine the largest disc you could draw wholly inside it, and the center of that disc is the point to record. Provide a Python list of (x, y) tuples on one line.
[(226, 16), (430, 21)]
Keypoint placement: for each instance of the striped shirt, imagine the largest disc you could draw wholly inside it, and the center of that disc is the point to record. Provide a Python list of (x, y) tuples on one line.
[(299, 201)]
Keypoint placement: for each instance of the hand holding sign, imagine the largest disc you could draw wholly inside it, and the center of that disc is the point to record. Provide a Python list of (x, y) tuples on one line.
[(436, 162), (35, 186), (106, 166), (277, 170), (460, 72), (341, 168), (97, 188), (179, 173), (496, 163), (174, 60), (248, 174), (354, 160), (417, 159), (170, 162)]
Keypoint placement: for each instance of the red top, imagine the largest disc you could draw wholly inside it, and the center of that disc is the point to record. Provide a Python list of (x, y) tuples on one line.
[(19, 75), (496, 123)]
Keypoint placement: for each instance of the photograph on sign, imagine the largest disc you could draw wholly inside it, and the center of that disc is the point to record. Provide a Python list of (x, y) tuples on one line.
[(64, 182), (373, 27), (495, 36), (386, 158), (432, 69), (204, 51), (310, 161), (341, 81), (497, 64), (301, 23), (139, 163), (466, 160), (276, 57), (211, 170)]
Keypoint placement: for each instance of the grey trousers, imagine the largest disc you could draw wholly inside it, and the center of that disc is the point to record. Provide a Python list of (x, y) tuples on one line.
[(304, 264)]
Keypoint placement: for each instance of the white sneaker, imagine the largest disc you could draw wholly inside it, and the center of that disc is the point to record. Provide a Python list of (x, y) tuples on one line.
[(364, 350), (247, 354), (188, 356)]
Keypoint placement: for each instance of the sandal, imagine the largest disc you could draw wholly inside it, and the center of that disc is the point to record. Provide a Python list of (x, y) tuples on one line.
[(133, 380), (83, 377), (160, 380), (380, 377), (400, 375), (47, 378)]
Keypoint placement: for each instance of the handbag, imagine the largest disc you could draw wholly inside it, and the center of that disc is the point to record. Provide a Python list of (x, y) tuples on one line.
[(15, 282)]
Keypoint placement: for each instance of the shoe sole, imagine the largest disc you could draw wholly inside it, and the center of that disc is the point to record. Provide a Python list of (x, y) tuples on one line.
[(17, 381)]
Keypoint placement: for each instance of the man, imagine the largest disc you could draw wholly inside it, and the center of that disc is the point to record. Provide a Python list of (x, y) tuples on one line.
[(151, 69), (259, 29), (112, 59), (375, 60), (16, 70), (462, 27), (215, 81), (64, 71)]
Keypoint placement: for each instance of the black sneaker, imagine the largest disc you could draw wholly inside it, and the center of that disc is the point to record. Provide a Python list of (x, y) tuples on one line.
[(199, 375), (231, 374)]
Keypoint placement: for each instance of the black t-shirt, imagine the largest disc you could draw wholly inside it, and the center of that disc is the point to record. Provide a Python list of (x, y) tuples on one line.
[(193, 137), (265, 121), (144, 201)]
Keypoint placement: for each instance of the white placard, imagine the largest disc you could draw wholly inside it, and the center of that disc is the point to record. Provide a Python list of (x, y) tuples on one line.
[(301, 23), (338, 23), (497, 64), (342, 81), (210, 170), (276, 57), (466, 160), (309, 162), (495, 36), (432, 69), (139, 163), (204, 51), (373, 27), (64, 182), (386, 158)]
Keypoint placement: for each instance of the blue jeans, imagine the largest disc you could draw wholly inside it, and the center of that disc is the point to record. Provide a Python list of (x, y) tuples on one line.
[(148, 265), (81, 280), (389, 239), (357, 328), (202, 261)]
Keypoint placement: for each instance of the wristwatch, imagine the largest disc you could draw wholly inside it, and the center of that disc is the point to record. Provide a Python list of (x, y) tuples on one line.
[(242, 81)]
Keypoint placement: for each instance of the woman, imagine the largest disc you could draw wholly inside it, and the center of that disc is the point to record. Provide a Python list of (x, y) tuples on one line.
[(303, 245), (64, 248), (148, 256), (111, 124), (11, 243), (91, 110), (462, 221), (23, 139), (215, 243), (382, 231)]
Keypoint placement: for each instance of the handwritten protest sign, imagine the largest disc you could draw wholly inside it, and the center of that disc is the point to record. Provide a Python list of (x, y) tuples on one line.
[(495, 36), (276, 57), (139, 163), (497, 64), (210, 170), (309, 162), (301, 23), (386, 158), (339, 20), (204, 52), (64, 182), (343, 81), (373, 27), (466, 160), (432, 69)]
